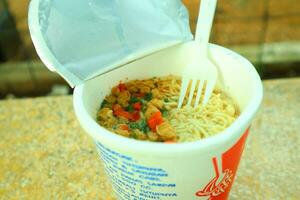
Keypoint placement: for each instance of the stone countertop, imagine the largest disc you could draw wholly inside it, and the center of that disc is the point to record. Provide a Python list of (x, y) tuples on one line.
[(44, 153)]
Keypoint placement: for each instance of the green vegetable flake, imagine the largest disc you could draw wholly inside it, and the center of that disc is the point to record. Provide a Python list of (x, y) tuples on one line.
[(148, 96), (133, 100), (141, 125), (144, 126), (104, 103), (134, 125), (164, 112), (133, 135), (130, 108)]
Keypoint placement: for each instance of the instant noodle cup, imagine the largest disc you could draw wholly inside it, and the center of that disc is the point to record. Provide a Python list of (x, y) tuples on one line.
[(96, 44), (203, 169)]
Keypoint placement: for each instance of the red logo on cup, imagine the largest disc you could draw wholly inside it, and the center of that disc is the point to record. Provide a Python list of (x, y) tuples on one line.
[(215, 187), (218, 187)]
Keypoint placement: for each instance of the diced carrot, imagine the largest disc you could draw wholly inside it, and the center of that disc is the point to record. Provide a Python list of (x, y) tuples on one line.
[(155, 120), (124, 127), (137, 106), (135, 116), (122, 87), (152, 124), (120, 112)]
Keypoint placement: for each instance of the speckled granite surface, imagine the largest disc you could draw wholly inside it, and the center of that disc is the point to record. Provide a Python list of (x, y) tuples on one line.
[(44, 154)]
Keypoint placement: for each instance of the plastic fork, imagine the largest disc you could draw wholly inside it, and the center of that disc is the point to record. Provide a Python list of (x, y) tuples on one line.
[(201, 71)]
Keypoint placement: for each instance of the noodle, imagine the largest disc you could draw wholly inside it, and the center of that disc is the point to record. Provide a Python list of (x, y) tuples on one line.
[(183, 125)]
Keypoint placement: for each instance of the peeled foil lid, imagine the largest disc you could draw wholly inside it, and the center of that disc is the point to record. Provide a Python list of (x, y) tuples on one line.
[(81, 39)]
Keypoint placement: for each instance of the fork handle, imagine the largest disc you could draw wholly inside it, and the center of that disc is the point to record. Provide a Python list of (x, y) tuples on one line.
[(204, 24)]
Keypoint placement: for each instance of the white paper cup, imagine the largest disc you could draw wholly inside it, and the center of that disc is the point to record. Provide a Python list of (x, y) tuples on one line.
[(204, 169)]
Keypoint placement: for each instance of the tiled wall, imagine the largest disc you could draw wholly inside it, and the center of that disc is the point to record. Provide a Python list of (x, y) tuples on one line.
[(238, 22)]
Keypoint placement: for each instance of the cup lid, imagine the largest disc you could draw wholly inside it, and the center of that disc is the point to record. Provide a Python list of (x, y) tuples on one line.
[(83, 39)]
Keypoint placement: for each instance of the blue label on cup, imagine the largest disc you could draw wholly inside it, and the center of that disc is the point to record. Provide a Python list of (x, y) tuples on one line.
[(133, 181)]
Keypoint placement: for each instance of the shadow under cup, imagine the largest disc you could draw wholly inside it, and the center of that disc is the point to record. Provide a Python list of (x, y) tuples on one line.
[(204, 169)]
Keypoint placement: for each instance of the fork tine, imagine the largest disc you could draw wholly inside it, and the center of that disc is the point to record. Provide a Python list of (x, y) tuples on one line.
[(199, 93), (184, 86), (208, 91), (192, 90)]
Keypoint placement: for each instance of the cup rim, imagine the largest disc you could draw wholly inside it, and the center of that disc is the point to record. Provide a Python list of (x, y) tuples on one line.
[(235, 130)]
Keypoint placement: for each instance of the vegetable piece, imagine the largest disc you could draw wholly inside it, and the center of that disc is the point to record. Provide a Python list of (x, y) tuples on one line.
[(135, 116), (156, 93), (131, 87), (115, 91), (105, 117), (148, 96), (133, 125), (122, 132), (124, 98), (164, 112), (130, 108), (152, 136), (139, 134), (133, 99), (166, 131), (144, 126), (116, 107), (157, 103), (111, 99), (120, 112), (104, 103), (150, 111), (155, 120), (122, 87), (137, 106), (103, 113), (133, 135), (124, 127), (141, 125), (145, 89)]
